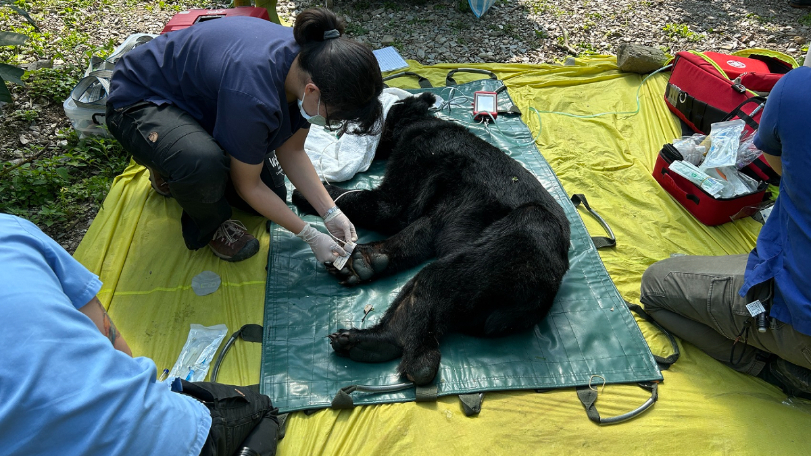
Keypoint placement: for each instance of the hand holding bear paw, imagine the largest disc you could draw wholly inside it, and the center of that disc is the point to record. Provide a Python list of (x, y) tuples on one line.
[(324, 247), (339, 225)]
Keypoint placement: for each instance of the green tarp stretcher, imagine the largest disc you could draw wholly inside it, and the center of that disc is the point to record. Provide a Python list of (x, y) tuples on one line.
[(589, 331), (135, 246)]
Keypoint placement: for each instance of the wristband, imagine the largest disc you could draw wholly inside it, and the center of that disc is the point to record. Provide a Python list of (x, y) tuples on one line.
[(331, 213)]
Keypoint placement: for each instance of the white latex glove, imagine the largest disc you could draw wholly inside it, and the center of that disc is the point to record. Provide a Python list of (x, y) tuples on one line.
[(325, 249), (339, 225)]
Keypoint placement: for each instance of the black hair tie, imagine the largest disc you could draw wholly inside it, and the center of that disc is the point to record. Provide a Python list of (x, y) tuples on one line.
[(330, 34)]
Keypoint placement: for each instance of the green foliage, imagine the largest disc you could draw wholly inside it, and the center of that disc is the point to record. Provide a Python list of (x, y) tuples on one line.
[(53, 84), (362, 5), (682, 31), (805, 20), (392, 6), (55, 190), (10, 72), (463, 6), (356, 29), (27, 115)]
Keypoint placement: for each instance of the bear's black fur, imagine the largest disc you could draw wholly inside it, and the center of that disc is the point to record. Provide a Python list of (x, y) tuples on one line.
[(499, 238)]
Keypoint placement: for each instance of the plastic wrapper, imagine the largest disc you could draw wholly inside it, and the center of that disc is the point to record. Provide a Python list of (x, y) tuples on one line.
[(198, 351), (747, 152), (725, 137), (734, 183), (691, 149)]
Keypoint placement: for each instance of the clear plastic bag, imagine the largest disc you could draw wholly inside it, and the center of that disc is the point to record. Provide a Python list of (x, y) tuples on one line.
[(747, 152), (725, 138), (198, 351), (690, 148), (734, 183)]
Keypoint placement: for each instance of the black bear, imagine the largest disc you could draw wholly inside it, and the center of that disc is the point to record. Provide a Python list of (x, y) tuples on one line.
[(499, 238)]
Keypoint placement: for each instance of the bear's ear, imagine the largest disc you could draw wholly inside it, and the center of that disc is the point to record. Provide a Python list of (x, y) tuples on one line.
[(428, 99)]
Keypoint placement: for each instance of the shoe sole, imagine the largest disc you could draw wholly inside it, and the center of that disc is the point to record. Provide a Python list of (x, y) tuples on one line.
[(250, 249), (798, 6)]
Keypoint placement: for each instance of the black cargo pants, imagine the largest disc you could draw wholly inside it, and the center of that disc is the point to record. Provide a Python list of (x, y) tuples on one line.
[(239, 418), (168, 140)]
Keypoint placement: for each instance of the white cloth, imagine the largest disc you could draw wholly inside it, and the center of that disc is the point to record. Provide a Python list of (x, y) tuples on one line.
[(339, 159)]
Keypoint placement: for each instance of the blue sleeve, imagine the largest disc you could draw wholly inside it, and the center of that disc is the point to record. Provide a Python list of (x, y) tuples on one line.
[(767, 137), (78, 284), (244, 126)]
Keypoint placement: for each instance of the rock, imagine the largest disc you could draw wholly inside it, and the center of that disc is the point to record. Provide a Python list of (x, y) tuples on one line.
[(634, 58), (387, 40), (39, 64)]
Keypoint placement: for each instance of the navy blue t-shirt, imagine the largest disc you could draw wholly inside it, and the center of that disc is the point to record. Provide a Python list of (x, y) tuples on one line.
[(227, 73), (783, 251)]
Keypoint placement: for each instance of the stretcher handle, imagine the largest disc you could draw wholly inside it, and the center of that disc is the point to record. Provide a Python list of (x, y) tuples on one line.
[(599, 241), (588, 397)]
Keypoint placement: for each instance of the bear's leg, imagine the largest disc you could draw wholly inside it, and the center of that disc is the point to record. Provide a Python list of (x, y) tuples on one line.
[(376, 344), (369, 209), (407, 329), (406, 249)]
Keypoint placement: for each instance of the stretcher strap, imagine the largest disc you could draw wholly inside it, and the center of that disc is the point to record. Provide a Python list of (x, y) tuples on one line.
[(599, 241), (664, 363)]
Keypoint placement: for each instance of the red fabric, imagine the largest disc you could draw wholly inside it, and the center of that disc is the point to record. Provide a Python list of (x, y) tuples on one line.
[(735, 66), (191, 17), (705, 208)]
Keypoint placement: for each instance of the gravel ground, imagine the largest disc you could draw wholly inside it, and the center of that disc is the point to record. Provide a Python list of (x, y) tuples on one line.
[(436, 31)]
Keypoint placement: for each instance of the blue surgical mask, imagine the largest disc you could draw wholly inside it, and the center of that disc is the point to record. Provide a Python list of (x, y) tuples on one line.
[(317, 119)]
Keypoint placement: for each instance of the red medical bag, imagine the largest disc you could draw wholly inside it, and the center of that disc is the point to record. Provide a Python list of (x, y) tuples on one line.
[(706, 209), (706, 87), (188, 18), (709, 87)]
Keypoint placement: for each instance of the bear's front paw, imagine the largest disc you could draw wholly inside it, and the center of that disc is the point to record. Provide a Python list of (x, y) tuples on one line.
[(364, 264)]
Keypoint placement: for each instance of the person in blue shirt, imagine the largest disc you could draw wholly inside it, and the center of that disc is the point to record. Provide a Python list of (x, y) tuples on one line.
[(219, 112), (704, 300), (68, 381)]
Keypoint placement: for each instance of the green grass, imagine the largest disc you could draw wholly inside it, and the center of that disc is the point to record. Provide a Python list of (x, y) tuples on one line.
[(805, 20), (58, 189), (356, 29), (682, 31)]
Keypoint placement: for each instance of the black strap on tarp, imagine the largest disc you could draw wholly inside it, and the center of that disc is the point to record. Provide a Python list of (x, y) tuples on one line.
[(600, 242), (664, 363), (421, 80), (343, 398), (451, 82), (503, 108), (249, 333), (588, 397)]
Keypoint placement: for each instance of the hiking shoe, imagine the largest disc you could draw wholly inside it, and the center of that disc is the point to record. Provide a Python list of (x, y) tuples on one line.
[(796, 380), (799, 3), (232, 242), (159, 184)]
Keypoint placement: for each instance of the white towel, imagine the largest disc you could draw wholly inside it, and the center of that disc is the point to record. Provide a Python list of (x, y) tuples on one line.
[(339, 159)]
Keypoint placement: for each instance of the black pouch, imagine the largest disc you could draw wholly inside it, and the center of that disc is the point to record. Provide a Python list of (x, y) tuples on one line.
[(243, 422)]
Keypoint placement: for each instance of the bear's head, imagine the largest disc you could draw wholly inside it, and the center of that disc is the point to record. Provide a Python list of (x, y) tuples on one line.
[(401, 114)]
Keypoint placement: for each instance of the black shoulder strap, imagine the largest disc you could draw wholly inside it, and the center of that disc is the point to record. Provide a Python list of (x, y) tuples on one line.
[(748, 118)]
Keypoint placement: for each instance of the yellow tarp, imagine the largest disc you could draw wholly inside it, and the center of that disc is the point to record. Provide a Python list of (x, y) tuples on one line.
[(704, 407)]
